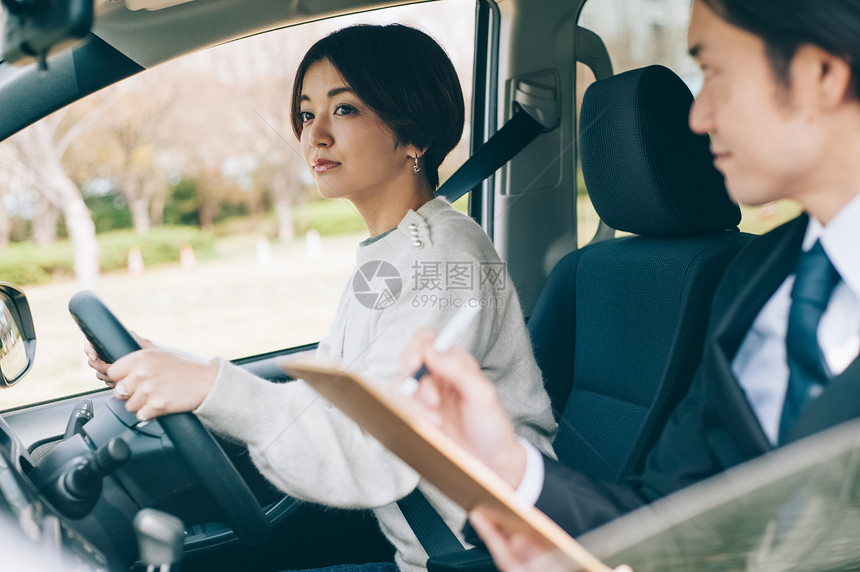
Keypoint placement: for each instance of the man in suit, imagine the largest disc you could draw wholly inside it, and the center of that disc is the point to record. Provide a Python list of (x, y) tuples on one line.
[(780, 103)]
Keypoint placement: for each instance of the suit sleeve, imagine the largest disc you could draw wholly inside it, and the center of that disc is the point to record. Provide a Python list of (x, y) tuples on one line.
[(578, 503)]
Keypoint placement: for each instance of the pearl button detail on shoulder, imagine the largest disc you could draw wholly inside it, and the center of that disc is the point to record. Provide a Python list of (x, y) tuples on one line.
[(413, 231)]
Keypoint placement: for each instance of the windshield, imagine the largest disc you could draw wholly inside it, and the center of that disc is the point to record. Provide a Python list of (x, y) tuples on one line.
[(209, 233)]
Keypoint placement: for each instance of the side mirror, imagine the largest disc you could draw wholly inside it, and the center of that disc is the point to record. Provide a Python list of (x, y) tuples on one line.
[(17, 335)]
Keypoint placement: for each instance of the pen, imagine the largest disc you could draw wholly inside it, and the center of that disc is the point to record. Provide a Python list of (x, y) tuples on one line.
[(442, 344)]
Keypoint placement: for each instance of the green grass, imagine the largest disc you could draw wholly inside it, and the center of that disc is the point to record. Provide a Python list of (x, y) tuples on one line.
[(161, 244), (328, 217), (339, 216), (759, 220), (28, 263)]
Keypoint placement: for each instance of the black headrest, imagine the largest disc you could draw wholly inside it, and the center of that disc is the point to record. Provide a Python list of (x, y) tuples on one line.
[(645, 171)]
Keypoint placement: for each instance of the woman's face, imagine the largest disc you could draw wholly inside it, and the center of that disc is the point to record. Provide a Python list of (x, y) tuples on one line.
[(351, 152)]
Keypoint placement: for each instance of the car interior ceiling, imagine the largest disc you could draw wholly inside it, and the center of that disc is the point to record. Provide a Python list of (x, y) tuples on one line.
[(126, 42)]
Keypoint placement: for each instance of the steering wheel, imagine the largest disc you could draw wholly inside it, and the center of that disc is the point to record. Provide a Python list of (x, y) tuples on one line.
[(195, 444)]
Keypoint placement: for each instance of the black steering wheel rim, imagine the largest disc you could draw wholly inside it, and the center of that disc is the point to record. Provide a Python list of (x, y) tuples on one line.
[(204, 456)]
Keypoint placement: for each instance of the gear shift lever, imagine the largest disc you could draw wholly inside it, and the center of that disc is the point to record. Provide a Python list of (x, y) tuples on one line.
[(159, 539)]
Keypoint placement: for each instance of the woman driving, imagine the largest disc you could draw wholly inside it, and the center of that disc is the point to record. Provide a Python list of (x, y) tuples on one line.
[(376, 110)]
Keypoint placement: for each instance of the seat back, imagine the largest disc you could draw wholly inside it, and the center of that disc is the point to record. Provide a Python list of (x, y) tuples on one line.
[(619, 328)]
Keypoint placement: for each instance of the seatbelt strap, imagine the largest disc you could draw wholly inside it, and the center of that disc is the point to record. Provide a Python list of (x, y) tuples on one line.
[(519, 131), (432, 532)]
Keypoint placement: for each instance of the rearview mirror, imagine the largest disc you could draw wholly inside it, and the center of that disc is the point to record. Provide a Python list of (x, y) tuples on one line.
[(36, 28), (17, 335)]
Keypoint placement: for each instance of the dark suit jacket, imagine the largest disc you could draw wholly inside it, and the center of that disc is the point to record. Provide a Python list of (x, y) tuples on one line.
[(714, 427)]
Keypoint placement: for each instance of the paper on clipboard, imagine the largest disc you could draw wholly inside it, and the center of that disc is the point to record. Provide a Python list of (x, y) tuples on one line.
[(440, 460)]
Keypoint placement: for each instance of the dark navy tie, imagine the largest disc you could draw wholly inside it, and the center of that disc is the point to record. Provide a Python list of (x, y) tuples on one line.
[(814, 281)]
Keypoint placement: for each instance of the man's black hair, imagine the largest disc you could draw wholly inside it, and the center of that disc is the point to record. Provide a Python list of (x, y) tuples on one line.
[(785, 25)]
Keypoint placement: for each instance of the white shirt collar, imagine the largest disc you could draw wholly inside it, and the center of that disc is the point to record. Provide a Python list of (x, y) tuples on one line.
[(841, 241)]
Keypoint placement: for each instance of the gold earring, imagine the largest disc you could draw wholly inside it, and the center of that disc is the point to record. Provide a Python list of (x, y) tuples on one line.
[(415, 167)]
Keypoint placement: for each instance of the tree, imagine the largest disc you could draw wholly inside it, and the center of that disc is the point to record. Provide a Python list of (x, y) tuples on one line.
[(260, 82), (46, 217), (5, 225), (39, 150), (205, 137), (14, 181), (125, 145)]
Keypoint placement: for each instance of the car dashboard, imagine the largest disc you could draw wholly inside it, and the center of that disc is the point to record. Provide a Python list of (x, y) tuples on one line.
[(51, 538)]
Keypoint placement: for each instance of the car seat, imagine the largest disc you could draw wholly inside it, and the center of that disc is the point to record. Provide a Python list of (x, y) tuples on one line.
[(619, 327)]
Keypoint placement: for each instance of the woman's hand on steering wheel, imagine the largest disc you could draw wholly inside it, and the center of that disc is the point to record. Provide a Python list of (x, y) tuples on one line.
[(154, 381), (100, 366)]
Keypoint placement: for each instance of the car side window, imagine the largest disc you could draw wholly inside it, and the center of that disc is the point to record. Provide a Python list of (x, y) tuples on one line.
[(180, 197), (587, 219), (639, 33)]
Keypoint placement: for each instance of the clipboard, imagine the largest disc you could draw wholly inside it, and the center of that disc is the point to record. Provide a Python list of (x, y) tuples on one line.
[(435, 456)]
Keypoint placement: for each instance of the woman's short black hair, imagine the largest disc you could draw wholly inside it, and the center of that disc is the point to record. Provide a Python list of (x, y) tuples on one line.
[(785, 25), (405, 77)]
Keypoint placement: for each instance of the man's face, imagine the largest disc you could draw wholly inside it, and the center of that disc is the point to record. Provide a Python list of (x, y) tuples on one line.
[(764, 135)]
